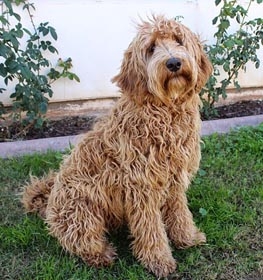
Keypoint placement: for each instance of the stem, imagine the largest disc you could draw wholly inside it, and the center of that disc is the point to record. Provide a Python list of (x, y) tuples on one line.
[(34, 27), (23, 131), (243, 19), (30, 16), (233, 72)]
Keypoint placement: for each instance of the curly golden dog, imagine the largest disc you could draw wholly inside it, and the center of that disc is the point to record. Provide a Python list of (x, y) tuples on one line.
[(135, 165)]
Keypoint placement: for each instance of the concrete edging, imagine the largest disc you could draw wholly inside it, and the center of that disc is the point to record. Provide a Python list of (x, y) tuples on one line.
[(19, 148), (225, 125)]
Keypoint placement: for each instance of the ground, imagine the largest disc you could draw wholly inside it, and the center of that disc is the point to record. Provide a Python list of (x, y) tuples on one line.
[(79, 124)]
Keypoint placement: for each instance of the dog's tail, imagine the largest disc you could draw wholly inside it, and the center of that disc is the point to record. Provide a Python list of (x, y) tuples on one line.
[(36, 193)]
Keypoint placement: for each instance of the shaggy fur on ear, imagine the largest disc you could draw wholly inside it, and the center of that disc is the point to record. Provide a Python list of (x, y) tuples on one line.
[(135, 165), (132, 77)]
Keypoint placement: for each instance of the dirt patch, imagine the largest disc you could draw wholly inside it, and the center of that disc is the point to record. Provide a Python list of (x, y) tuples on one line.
[(80, 124), (240, 109), (54, 128)]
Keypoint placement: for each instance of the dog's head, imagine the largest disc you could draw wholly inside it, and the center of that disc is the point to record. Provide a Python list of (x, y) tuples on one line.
[(165, 60)]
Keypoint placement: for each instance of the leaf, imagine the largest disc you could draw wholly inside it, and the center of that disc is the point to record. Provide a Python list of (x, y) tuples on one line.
[(31, 116), (19, 32), (50, 92), (4, 51), (53, 74), (229, 44), (53, 33), (3, 20), (76, 78), (12, 67), (259, 1), (238, 42), (237, 85), (201, 172), (43, 80), (224, 24), (226, 66), (27, 31), (27, 74), (43, 45), (28, 6), (17, 16), (214, 21), (52, 49), (45, 31), (43, 107), (3, 71), (42, 29), (13, 95), (10, 77), (39, 123), (8, 5), (217, 2), (238, 18), (14, 42), (203, 212)]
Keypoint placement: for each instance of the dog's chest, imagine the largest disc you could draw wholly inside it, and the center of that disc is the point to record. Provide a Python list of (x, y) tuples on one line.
[(159, 144)]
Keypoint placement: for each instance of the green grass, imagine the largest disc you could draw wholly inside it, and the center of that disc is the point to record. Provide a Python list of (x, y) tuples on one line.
[(226, 199)]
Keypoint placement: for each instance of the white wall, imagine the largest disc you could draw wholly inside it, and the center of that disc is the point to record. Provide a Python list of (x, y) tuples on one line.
[(95, 34)]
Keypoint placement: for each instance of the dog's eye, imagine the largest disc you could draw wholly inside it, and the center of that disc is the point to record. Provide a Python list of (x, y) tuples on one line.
[(180, 42), (151, 48)]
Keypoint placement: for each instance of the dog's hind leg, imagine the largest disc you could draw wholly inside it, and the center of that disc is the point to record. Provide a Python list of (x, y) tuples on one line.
[(79, 225), (179, 222), (150, 242)]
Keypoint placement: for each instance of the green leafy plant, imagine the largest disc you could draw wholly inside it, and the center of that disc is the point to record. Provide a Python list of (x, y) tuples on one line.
[(26, 64), (231, 51)]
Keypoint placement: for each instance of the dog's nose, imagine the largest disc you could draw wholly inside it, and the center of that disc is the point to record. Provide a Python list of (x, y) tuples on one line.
[(173, 64)]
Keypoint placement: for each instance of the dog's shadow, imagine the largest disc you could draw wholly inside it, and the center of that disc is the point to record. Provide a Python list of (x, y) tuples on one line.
[(121, 239)]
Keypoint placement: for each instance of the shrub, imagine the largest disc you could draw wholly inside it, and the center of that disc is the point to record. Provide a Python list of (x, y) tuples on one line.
[(25, 64), (231, 51)]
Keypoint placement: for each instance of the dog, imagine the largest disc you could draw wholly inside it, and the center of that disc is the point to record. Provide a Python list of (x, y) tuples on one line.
[(134, 167)]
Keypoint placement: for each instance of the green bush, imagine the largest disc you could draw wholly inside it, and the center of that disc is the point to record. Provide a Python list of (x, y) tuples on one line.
[(231, 51), (25, 64)]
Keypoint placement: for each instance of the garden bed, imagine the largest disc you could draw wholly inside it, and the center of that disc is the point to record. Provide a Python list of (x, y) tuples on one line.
[(74, 125)]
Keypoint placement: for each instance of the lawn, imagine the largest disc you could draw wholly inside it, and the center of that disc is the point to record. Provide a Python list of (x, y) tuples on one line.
[(226, 199)]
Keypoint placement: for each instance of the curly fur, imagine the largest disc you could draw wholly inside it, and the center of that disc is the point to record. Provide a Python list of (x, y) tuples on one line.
[(135, 166)]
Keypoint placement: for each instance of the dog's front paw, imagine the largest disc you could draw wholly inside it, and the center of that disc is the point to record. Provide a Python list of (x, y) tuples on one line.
[(162, 267), (104, 258), (199, 238), (193, 238)]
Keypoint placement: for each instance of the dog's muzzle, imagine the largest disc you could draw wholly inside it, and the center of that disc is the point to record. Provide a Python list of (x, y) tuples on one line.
[(173, 64)]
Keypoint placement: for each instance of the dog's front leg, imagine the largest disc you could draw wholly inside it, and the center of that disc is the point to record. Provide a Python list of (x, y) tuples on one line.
[(179, 222), (150, 242)]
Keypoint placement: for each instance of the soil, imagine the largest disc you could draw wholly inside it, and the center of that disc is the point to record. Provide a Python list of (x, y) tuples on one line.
[(80, 124)]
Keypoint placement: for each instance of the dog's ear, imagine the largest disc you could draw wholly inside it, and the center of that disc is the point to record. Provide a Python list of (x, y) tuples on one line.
[(131, 78), (205, 69)]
